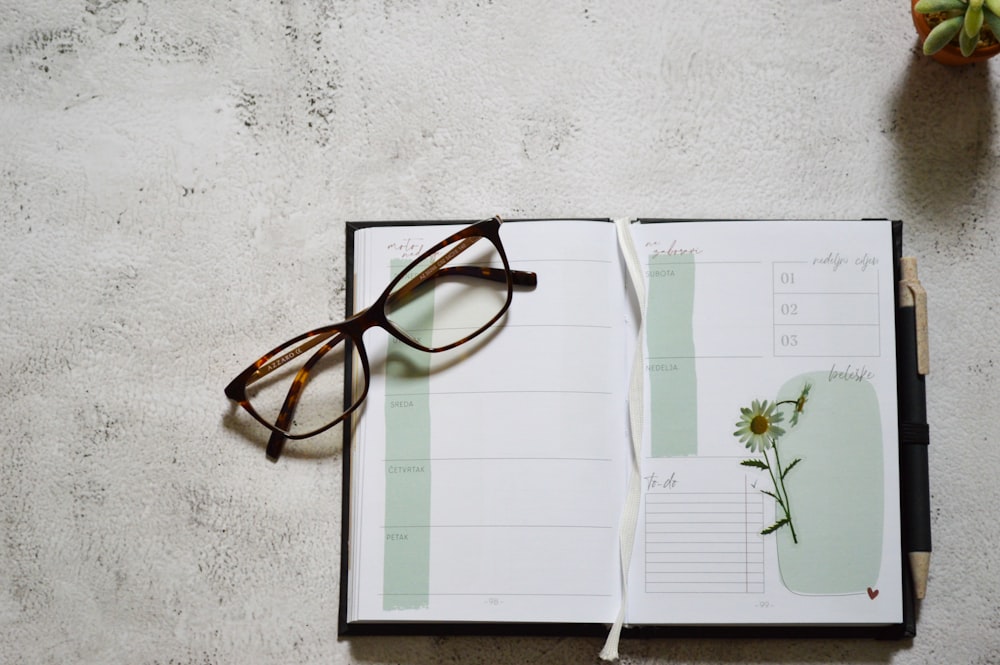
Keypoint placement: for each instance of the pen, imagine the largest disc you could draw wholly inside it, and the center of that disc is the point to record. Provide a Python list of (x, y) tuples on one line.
[(913, 365)]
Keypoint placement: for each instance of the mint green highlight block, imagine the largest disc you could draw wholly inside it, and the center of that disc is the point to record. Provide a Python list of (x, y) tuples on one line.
[(670, 350), (406, 572), (836, 491)]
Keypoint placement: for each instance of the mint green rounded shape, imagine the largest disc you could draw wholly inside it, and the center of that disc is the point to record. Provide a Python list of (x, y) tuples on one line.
[(837, 490)]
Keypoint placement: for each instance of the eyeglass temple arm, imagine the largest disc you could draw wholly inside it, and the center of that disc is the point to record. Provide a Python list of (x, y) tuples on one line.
[(518, 278), (264, 370), (277, 441)]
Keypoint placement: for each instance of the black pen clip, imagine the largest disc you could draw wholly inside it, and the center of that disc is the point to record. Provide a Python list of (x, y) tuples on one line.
[(912, 294)]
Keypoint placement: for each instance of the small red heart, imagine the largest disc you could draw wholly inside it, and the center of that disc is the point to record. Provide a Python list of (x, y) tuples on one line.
[(872, 593)]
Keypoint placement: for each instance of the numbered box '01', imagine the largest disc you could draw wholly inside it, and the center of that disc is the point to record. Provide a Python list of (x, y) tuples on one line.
[(790, 277), (826, 308), (827, 341)]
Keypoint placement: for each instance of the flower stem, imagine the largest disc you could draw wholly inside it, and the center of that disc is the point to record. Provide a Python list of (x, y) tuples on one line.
[(774, 481), (779, 492), (786, 504)]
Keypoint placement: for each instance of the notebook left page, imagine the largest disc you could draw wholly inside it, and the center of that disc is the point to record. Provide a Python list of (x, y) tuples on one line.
[(487, 481)]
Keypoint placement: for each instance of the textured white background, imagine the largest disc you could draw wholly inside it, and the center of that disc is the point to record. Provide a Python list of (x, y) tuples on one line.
[(174, 178)]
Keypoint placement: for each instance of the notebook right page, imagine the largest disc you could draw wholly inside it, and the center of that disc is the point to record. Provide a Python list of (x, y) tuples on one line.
[(770, 453)]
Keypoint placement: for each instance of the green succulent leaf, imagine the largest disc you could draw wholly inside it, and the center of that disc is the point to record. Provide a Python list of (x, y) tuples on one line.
[(968, 42), (929, 6), (993, 21), (994, 8), (942, 33), (974, 21)]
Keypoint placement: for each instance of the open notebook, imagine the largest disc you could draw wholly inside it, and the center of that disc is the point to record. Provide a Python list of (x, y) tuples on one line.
[(485, 486)]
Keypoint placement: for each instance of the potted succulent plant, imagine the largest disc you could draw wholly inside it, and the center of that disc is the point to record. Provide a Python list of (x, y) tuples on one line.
[(973, 24)]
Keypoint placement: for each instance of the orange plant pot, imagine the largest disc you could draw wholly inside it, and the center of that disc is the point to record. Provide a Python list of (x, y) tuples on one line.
[(950, 54)]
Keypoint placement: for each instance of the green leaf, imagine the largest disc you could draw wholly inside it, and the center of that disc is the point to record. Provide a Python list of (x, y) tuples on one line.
[(974, 21), (790, 467), (994, 7), (993, 21), (774, 496), (928, 6), (756, 463), (968, 42), (774, 527), (942, 33)]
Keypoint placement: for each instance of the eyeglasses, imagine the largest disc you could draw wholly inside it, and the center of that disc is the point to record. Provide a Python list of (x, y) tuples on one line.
[(433, 304)]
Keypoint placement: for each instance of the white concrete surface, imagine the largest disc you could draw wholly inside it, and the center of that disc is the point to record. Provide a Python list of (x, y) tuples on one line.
[(174, 179)]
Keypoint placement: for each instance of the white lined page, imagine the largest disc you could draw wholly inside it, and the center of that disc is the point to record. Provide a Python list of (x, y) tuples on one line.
[(758, 310), (525, 455)]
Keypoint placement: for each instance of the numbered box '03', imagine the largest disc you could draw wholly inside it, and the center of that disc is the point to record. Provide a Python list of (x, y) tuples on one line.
[(827, 341)]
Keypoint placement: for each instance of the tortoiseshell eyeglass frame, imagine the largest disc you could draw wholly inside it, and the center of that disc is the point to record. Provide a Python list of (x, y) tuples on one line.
[(352, 329)]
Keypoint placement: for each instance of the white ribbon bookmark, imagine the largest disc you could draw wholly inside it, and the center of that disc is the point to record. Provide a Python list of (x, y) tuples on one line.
[(630, 513)]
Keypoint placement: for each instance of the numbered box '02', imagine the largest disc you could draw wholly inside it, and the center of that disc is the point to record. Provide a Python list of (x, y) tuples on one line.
[(826, 309), (827, 341)]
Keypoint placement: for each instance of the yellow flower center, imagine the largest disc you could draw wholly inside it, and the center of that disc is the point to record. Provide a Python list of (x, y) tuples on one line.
[(759, 424)]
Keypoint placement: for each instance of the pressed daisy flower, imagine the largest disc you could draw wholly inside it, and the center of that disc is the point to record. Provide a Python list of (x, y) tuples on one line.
[(800, 404), (757, 427)]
